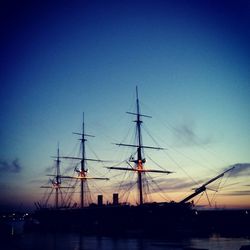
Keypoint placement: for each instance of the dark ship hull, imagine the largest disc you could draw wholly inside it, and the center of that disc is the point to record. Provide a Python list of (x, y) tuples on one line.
[(147, 219)]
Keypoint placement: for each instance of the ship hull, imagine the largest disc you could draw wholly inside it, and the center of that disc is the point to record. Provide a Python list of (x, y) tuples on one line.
[(147, 219)]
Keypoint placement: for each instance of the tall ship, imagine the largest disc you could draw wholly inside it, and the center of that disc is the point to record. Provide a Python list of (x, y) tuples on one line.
[(143, 218)]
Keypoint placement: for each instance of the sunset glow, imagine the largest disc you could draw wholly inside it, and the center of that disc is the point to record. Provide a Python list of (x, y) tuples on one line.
[(190, 61)]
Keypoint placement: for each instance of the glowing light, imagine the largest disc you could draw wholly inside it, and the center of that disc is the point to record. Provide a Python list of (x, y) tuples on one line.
[(140, 166)]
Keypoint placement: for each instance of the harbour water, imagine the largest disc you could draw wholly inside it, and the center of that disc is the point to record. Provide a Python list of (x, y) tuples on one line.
[(77, 241)]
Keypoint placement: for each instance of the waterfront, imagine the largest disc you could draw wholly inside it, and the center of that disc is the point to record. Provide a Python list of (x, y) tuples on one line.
[(77, 241)]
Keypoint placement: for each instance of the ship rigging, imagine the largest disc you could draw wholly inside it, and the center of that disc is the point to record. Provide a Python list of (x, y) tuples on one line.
[(141, 160), (56, 186), (165, 218), (82, 173)]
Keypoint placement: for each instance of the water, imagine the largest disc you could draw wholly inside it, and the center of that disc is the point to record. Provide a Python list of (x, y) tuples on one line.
[(76, 241)]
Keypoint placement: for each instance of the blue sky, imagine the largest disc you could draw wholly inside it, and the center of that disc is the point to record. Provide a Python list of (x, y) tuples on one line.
[(190, 60)]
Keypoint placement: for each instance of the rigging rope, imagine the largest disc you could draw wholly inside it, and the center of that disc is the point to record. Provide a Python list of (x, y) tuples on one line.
[(162, 194)]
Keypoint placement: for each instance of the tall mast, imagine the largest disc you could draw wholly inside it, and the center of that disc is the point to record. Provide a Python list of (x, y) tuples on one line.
[(58, 179), (139, 150), (56, 182), (140, 159), (82, 172)]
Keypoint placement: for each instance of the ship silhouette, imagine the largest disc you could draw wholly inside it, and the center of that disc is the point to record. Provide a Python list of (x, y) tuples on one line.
[(143, 219)]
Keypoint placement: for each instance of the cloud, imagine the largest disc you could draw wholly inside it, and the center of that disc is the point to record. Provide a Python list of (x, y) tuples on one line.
[(49, 169), (10, 167), (189, 136), (175, 184), (160, 185), (239, 193), (36, 181), (240, 169)]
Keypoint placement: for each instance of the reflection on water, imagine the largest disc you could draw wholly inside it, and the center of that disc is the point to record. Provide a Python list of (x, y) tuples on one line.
[(76, 241)]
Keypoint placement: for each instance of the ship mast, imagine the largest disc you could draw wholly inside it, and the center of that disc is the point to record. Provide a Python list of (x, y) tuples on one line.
[(139, 150), (139, 162), (82, 172), (58, 178), (56, 182)]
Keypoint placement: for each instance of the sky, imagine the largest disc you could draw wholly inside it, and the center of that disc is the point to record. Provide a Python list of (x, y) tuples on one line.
[(190, 61)]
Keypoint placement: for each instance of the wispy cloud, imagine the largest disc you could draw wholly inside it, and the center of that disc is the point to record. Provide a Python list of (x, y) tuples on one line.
[(239, 193), (49, 169), (240, 169), (36, 181), (160, 185), (175, 184), (10, 167), (189, 135)]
